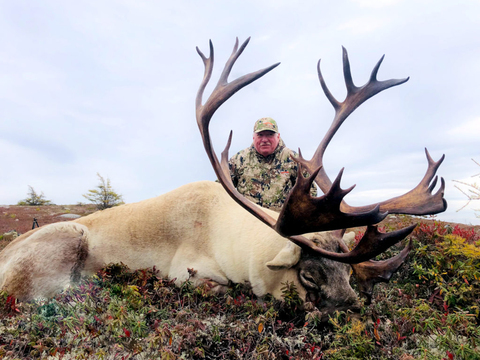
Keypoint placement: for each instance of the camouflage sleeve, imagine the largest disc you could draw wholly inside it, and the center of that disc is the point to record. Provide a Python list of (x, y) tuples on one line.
[(232, 165), (313, 191)]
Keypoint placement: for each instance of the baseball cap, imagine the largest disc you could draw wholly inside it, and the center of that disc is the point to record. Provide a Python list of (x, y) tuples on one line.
[(264, 124)]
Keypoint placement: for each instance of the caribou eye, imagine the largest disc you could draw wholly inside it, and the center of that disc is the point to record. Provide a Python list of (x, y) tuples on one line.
[(307, 280)]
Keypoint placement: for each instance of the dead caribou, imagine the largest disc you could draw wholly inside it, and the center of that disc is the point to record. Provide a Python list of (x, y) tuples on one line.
[(211, 228)]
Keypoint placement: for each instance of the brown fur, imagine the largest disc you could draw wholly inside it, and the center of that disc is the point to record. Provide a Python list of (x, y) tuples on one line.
[(43, 261)]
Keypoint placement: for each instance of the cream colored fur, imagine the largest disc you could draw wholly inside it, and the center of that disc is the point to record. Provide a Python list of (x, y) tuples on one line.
[(196, 226)]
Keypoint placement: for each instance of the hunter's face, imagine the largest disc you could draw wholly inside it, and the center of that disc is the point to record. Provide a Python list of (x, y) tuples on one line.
[(266, 142)]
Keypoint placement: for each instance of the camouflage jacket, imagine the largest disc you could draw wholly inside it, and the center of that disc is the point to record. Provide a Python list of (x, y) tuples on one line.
[(268, 180)]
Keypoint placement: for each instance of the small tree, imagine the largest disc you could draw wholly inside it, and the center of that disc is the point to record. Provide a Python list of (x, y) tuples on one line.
[(34, 199), (472, 191), (103, 196)]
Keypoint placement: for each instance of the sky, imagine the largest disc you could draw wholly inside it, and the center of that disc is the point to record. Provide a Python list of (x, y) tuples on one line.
[(109, 87)]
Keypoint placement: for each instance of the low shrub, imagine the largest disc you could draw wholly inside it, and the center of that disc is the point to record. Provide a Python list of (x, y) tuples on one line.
[(430, 311)]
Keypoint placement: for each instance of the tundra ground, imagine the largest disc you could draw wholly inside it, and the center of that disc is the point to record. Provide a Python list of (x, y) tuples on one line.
[(430, 310)]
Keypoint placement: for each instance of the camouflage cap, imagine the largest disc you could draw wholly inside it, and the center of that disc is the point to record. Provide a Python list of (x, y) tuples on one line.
[(264, 124)]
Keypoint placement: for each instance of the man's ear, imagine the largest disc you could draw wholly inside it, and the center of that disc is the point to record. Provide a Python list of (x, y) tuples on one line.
[(286, 258)]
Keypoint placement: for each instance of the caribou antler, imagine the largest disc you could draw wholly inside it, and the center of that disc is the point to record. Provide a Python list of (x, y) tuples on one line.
[(418, 201), (370, 272), (327, 207)]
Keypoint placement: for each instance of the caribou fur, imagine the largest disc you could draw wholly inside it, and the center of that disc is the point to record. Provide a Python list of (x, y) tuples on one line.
[(197, 226)]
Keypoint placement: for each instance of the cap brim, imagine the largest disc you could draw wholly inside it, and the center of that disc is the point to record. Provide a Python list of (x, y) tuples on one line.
[(257, 131)]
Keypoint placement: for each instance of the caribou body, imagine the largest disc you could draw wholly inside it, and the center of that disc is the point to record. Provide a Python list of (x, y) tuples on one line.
[(212, 229), (197, 226)]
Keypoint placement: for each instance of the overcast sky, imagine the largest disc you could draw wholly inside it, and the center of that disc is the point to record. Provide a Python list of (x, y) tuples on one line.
[(109, 87)]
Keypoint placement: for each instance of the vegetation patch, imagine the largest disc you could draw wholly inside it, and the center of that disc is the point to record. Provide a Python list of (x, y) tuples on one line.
[(20, 217), (429, 311)]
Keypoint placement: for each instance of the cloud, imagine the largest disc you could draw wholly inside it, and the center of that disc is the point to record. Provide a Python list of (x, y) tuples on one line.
[(468, 130), (363, 26), (376, 4), (110, 87)]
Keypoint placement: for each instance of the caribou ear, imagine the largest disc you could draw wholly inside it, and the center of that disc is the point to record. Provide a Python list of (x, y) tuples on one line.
[(286, 258)]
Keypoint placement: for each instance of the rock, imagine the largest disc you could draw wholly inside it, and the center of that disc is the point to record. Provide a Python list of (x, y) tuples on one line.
[(70, 216), (10, 236)]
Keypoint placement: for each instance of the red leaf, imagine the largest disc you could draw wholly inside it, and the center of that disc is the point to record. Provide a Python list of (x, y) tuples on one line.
[(127, 332), (450, 355)]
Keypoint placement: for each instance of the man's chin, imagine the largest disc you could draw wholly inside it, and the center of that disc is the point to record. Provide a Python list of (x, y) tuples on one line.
[(265, 153)]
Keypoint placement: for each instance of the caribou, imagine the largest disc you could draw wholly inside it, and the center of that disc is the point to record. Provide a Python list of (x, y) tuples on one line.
[(211, 228)]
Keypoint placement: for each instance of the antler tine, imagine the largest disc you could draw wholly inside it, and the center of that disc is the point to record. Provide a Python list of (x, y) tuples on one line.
[(231, 61), (371, 272), (347, 74), (373, 75), (376, 242), (208, 62), (419, 200), (433, 184), (432, 168), (335, 103), (224, 160)]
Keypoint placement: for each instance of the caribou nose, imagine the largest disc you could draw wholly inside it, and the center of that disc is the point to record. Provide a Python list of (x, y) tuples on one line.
[(327, 308), (349, 305), (355, 307)]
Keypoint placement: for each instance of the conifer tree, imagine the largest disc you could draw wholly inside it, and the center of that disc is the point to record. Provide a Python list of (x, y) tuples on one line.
[(103, 196)]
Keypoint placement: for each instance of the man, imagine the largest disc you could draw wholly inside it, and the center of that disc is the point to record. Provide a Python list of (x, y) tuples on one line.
[(264, 172)]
